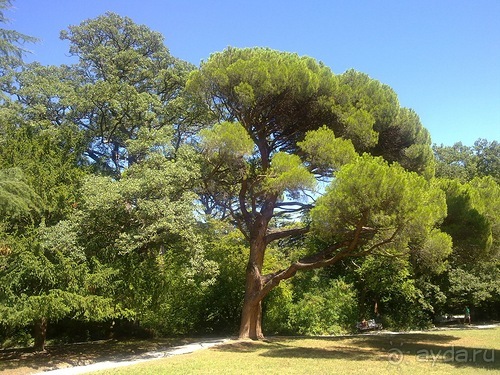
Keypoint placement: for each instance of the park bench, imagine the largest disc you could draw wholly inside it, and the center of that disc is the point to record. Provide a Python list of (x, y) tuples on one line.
[(368, 325), (450, 318)]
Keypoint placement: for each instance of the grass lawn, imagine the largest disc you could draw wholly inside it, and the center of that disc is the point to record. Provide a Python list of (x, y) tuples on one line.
[(467, 351)]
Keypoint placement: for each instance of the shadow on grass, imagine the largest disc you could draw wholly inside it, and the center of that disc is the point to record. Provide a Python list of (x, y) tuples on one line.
[(61, 356), (394, 349)]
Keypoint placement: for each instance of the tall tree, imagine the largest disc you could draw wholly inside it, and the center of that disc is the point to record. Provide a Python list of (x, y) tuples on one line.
[(143, 227), (44, 274), (131, 82), (473, 222), (45, 277), (469, 177), (269, 146)]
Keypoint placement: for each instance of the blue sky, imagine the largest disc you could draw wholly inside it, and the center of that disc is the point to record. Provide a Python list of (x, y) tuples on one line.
[(442, 57)]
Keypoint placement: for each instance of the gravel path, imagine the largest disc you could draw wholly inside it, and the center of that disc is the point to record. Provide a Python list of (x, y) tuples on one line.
[(150, 356)]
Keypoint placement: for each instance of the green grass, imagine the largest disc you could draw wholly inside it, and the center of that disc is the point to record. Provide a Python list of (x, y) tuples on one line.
[(468, 351)]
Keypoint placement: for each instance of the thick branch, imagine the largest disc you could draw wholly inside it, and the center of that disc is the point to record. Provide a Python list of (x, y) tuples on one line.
[(326, 257), (277, 235), (318, 260), (293, 206)]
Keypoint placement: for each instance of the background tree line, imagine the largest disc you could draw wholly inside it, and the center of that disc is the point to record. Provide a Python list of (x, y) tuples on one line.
[(140, 194)]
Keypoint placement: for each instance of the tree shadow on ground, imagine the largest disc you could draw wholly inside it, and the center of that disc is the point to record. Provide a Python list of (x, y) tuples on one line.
[(427, 348), (25, 360)]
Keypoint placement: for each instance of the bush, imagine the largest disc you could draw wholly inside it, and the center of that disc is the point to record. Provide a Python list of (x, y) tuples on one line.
[(277, 309), (15, 338), (326, 309)]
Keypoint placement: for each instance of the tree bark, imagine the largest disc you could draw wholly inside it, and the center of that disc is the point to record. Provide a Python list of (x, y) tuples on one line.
[(40, 333), (251, 321), (251, 315)]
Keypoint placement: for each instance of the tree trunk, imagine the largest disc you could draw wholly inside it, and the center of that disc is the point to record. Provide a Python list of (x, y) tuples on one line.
[(251, 322), (251, 315), (40, 334)]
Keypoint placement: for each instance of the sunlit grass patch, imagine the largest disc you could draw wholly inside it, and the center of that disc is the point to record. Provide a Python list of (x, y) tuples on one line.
[(438, 352)]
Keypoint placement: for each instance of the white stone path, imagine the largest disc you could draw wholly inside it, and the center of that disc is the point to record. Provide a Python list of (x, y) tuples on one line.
[(185, 349), (149, 356)]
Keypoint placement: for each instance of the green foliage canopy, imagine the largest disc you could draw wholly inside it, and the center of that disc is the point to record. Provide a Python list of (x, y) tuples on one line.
[(19, 204), (130, 82), (387, 207)]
